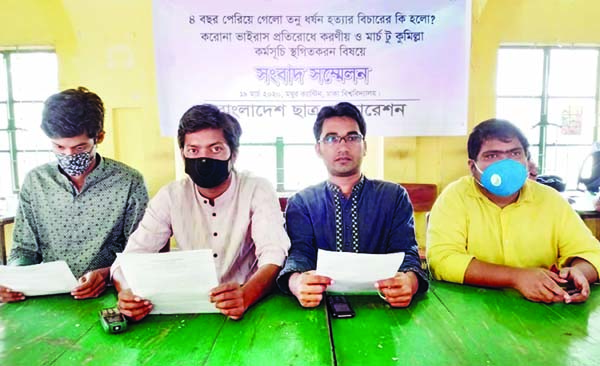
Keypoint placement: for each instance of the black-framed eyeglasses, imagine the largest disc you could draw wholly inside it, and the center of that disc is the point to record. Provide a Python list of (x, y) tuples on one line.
[(351, 138)]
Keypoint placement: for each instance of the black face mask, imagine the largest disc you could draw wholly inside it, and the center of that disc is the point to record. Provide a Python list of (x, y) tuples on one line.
[(207, 172)]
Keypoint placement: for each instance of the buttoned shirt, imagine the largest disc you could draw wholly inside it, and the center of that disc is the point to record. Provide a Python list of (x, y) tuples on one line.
[(86, 228), (351, 226), (243, 227), (538, 230), (384, 222)]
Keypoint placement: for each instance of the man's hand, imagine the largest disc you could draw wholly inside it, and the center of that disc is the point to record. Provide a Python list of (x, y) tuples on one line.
[(541, 285), (229, 299), (91, 284), (308, 287), (582, 287), (133, 306), (7, 295), (398, 291)]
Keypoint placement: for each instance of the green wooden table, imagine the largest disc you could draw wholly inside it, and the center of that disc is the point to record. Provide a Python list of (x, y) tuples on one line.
[(451, 325), (464, 325), (57, 330)]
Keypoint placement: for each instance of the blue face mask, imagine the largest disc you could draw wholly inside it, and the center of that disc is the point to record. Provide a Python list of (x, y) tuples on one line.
[(503, 178)]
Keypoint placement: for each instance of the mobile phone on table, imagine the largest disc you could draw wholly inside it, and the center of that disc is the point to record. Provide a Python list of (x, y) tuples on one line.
[(112, 320), (339, 307), (569, 287)]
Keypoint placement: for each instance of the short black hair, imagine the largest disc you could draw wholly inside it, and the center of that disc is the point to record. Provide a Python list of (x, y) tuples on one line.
[(494, 129), (343, 109), (73, 112), (205, 116)]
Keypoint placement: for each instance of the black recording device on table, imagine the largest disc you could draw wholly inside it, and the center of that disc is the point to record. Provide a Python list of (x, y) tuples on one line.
[(339, 307)]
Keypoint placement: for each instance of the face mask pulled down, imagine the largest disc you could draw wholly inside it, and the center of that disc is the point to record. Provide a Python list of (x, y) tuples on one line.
[(207, 172), (503, 178)]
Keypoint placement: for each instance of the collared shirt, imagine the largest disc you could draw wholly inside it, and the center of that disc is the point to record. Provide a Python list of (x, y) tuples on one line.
[(86, 229), (384, 221), (538, 230), (243, 227)]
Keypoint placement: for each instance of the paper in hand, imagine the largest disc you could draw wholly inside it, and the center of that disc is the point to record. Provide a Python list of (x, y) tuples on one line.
[(175, 282), (356, 273), (39, 279)]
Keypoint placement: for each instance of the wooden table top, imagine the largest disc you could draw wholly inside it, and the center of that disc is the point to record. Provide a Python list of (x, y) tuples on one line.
[(450, 325)]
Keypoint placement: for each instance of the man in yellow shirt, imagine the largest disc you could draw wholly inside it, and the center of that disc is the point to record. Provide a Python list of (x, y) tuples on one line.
[(496, 228)]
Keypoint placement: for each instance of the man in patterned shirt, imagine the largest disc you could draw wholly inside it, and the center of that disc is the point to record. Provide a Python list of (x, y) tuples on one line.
[(81, 208), (349, 213)]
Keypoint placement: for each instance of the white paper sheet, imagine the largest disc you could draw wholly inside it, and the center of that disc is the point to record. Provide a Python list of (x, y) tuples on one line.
[(357, 272), (175, 282), (39, 279), (581, 201)]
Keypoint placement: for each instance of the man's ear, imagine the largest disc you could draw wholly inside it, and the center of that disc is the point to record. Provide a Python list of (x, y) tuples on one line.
[(233, 158), (365, 151), (472, 168), (100, 137), (318, 149)]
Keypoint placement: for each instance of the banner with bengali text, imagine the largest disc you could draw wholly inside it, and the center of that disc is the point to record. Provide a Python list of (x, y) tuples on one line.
[(274, 64)]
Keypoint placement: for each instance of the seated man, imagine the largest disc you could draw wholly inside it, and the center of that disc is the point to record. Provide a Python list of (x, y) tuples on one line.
[(532, 169), (496, 228), (232, 213), (82, 208), (349, 213)]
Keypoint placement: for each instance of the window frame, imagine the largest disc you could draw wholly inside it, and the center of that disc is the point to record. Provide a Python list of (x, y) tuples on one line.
[(11, 129), (544, 98), (279, 145)]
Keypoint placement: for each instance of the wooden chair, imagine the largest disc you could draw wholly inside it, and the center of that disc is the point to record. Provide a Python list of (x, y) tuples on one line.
[(283, 203), (422, 196)]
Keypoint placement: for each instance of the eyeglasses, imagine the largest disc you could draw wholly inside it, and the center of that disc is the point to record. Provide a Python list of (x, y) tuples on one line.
[(352, 138)]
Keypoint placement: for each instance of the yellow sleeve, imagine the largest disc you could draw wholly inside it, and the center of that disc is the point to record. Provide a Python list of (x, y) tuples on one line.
[(575, 239), (447, 236)]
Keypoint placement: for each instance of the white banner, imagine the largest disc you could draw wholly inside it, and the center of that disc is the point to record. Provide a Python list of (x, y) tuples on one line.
[(274, 64)]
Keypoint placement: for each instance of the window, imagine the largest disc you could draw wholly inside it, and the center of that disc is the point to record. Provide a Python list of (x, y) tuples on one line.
[(289, 162), (551, 93), (27, 78)]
